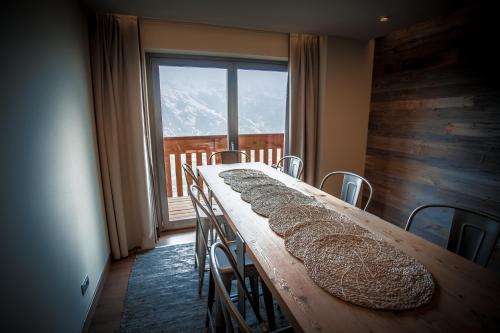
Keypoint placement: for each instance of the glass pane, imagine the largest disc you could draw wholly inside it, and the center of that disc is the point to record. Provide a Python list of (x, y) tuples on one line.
[(262, 99), (193, 101), (194, 120)]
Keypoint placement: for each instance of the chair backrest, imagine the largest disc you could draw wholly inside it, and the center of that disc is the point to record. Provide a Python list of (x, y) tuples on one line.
[(228, 157), (351, 187), (189, 172), (229, 310), (189, 175), (201, 204), (291, 165), (473, 234)]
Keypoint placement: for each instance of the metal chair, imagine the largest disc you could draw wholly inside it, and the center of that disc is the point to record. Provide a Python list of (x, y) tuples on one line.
[(473, 235), (214, 231), (189, 174), (191, 177), (206, 222), (228, 157), (201, 219), (291, 165), (220, 253), (351, 187)]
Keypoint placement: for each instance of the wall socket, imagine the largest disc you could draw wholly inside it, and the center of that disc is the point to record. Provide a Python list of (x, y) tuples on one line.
[(85, 285)]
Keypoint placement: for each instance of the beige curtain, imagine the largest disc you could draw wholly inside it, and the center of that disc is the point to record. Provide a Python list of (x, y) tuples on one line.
[(118, 100), (304, 71)]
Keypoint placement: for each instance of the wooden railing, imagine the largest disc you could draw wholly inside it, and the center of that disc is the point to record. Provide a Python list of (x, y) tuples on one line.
[(195, 150)]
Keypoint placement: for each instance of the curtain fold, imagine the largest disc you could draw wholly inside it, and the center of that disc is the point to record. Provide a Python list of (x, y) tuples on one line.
[(304, 71), (154, 135), (121, 140)]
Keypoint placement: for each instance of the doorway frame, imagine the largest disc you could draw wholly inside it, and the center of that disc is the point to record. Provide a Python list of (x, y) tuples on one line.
[(153, 62)]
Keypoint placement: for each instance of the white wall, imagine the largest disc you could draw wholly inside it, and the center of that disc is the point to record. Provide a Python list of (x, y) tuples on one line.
[(343, 119), (52, 225), (187, 38)]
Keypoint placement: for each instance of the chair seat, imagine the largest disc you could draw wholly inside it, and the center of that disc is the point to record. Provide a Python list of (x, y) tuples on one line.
[(225, 266), (220, 217), (217, 212)]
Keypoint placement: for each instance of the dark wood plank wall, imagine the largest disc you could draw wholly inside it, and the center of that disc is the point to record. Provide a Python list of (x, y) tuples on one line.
[(434, 131)]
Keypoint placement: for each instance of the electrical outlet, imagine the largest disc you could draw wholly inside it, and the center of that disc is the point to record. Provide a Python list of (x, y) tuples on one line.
[(85, 285)]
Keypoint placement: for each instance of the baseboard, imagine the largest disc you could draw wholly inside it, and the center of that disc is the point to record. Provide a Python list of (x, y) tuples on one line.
[(96, 297)]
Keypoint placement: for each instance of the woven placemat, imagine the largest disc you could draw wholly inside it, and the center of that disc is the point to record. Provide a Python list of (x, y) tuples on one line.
[(368, 272), (243, 184), (298, 237), (236, 172), (253, 193), (235, 178), (267, 204), (286, 217)]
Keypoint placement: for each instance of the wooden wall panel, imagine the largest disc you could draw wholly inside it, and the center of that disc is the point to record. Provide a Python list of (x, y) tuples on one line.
[(434, 130)]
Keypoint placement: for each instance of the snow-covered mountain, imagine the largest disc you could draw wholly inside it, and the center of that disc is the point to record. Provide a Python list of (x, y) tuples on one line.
[(194, 101)]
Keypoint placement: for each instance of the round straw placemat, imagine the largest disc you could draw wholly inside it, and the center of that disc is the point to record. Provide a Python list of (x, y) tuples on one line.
[(236, 172), (298, 237), (237, 178), (234, 178), (368, 272), (253, 193), (243, 184), (286, 217), (266, 204)]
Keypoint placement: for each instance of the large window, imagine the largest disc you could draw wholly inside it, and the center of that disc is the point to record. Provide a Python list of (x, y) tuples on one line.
[(211, 104)]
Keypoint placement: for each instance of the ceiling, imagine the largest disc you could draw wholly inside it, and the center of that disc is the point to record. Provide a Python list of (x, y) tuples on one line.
[(348, 18)]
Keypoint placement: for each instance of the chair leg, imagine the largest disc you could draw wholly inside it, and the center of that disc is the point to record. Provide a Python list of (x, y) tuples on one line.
[(220, 325), (202, 257), (196, 246), (210, 296), (254, 289), (201, 275), (269, 304)]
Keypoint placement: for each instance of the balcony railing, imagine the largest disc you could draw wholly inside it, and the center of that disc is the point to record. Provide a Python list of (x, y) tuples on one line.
[(195, 150)]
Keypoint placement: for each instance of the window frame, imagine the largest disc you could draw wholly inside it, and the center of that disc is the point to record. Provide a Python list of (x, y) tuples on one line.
[(153, 61), (231, 64)]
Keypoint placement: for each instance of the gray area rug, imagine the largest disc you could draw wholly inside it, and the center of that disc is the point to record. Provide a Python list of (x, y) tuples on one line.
[(162, 293)]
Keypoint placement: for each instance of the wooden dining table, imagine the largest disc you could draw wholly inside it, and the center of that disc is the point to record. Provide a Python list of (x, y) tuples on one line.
[(466, 299)]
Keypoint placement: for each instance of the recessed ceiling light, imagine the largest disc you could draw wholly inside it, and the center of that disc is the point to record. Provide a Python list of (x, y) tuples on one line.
[(383, 18)]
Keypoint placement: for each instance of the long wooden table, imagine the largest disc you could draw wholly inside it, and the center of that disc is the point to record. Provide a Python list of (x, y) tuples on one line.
[(467, 297)]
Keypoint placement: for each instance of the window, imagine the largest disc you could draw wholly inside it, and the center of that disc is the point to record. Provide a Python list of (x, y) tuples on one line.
[(193, 100), (205, 96), (205, 104), (262, 101)]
